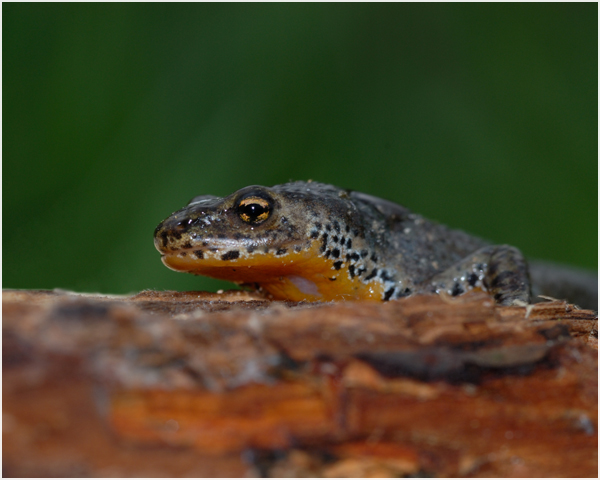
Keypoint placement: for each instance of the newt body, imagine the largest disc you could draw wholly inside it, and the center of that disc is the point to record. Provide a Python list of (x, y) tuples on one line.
[(316, 242)]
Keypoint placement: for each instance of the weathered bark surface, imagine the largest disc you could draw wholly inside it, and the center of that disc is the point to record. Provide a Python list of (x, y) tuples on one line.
[(200, 384)]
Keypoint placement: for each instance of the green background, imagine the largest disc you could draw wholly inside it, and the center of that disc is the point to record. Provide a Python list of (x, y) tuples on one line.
[(481, 116)]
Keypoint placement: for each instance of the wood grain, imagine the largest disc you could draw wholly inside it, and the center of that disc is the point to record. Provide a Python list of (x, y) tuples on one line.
[(230, 384)]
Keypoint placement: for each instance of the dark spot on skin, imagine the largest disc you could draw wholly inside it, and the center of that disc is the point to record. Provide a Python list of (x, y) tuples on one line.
[(238, 236), (324, 240), (213, 249), (349, 243), (177, 235), (250, 249), (199, 255), (405, 293), (347, 228), (472, 279), (327, 253), (328, 227), (498, 296), (337, 265), (335, 253), (221, 236), (281, 251), (187, 245), (165, 239), (351, 270), (319, 226), (231, 255), (356, 232), (297, 249), (374, 257), (334, 239), (360, 271), (385, 276), (314, 234), (353, 256), (205, 243), (457, 289), (364, 253), (336, 226), (266, 249), (342, 241), (183, 254), (371, 275), (333, 279), (284, 220), (388, 294)]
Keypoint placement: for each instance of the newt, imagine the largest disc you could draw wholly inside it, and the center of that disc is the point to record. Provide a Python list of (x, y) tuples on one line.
[(309, 241)]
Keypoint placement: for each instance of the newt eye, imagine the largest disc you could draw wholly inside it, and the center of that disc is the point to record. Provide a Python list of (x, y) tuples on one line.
[(254, 209)]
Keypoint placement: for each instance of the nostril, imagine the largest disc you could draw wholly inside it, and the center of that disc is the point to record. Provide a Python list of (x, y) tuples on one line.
[(183, 225)]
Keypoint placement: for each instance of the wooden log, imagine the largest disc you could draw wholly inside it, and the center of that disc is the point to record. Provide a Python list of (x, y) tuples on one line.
[(230, 384)]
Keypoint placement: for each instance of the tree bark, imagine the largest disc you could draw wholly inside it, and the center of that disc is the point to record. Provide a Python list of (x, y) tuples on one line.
[(230, 384)]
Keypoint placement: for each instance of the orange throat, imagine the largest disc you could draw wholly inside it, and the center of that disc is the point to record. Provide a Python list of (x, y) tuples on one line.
[(302, 276)]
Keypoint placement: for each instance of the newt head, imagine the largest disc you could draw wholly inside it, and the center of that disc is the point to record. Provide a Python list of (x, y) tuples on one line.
[(289, 240)]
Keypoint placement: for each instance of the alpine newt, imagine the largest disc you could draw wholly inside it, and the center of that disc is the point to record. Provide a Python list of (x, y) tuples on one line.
[(316, 242)]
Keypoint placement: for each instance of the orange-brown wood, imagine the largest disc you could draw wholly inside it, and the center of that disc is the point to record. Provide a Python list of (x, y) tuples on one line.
[(231, 384)]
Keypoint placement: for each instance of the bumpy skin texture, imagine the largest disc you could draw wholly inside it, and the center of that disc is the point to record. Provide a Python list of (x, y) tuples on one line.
[(311, 241)]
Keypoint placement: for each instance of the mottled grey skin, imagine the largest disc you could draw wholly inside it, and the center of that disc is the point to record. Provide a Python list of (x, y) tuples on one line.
[(375, 239)]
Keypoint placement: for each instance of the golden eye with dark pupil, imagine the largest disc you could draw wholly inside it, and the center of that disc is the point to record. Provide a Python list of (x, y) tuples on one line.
[(254, 210)]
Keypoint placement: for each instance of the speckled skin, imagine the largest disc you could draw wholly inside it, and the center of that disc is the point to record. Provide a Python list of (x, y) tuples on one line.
[(316, 235)]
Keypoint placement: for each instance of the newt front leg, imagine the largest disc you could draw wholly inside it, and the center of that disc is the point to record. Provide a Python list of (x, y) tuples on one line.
[(500, 270)]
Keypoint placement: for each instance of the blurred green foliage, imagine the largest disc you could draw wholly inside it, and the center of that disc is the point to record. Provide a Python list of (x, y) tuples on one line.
[(482, 116)]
